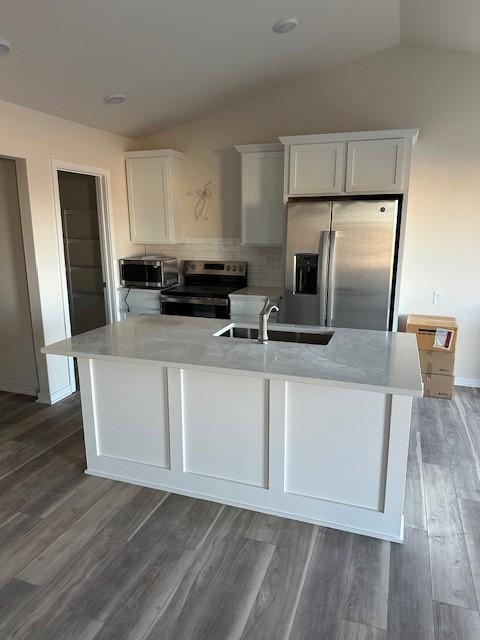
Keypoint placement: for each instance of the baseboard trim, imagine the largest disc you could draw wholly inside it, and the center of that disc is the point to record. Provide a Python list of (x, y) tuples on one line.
[(24, 389), (467, 382), (395, 537), (52, 398)]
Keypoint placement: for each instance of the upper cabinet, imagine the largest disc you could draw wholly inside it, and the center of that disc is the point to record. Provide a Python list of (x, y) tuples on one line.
[(315, 169), (262, 194), (375, 165), (371, 162), (155, 196)]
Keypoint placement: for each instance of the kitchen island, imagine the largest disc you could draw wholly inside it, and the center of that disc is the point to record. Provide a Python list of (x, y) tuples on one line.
[(314, 432)]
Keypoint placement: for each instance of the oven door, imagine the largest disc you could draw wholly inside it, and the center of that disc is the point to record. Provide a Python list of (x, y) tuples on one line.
[(195, 307)]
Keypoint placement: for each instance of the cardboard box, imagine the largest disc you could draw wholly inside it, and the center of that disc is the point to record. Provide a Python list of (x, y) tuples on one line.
[(437, 362), (436, 386), (434, 333)]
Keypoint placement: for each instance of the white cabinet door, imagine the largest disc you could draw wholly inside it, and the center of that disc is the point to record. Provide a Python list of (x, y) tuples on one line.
[(316, 168), (375, 166), (262, 195), (138, 301), (155, 196), (148, 200)]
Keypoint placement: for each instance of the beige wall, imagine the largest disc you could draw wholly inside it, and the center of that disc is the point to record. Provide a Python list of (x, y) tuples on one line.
[(38, 138), (403, 87), (18, 370)]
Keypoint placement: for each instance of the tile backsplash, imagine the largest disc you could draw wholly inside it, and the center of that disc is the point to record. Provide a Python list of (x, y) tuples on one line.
[(264, 263)]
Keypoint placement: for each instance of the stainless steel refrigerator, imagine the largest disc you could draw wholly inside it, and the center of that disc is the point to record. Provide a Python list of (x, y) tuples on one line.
[(340, 263)]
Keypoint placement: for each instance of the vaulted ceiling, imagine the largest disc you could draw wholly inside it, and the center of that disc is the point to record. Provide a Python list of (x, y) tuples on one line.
[(443, 24), (176, 59)]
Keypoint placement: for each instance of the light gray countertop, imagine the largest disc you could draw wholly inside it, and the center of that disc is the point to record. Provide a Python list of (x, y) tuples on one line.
[(372, 360), (259, 292)]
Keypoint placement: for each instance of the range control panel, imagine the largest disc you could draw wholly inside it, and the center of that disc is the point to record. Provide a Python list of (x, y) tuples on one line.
[(230, 268)]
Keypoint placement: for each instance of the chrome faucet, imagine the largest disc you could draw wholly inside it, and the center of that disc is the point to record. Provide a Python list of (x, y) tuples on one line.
[(263, 317)]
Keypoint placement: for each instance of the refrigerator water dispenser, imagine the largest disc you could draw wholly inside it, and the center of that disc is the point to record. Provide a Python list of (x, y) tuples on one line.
[(306, 273)]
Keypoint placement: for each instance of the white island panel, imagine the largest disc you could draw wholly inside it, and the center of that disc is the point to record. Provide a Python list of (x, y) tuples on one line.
[(336, 444), (310, 432), (131, 417), (225, 426)]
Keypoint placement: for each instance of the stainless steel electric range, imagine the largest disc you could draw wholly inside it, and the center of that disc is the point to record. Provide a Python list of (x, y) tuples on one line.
[(205, 289)]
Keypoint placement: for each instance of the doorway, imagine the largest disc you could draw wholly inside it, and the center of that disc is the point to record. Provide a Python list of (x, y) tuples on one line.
[(84, 262), (18, 368), (83, 207)]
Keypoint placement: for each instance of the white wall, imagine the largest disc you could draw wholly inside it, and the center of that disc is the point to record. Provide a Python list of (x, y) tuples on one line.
[(38, 138), (404, 87), (18, 370)]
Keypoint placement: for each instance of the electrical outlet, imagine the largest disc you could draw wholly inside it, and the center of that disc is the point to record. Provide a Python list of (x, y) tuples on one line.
[(438, 297)]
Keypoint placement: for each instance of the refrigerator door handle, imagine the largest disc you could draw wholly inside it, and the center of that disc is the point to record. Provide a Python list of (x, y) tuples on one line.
[(323, 280), (331, 279), (294, 275)]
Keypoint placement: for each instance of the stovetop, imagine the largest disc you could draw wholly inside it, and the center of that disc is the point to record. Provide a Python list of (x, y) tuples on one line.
[(210, 279), (201, 291)]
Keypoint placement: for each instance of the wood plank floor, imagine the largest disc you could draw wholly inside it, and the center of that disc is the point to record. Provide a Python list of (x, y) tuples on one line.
[(83, 558)]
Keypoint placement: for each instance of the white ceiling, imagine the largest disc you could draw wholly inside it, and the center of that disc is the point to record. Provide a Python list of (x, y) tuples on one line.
[(176, 59)]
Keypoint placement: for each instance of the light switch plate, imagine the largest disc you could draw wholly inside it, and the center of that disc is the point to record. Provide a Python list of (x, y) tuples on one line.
[(438, 297)]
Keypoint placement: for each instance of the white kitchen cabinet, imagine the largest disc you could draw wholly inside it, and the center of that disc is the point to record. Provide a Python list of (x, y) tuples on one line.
[(262, 194), (375, 165), (155, 196), (316, 169), (134, 302), (361, 162), (296, 432)]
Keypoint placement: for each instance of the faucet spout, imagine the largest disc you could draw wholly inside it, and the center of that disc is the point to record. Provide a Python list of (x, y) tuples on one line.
[(263, 317)]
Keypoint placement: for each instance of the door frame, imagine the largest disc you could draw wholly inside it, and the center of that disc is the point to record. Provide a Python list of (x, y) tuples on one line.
[(105, 223)]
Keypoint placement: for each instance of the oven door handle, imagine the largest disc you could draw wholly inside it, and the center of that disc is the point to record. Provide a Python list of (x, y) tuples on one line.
[(220, 302)]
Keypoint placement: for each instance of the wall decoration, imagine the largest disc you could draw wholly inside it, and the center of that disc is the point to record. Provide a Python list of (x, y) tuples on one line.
[(202, 206)]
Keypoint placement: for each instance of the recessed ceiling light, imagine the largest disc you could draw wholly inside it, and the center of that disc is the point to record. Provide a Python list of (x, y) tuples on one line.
[(285, 25), (115, 98), (5, 47)]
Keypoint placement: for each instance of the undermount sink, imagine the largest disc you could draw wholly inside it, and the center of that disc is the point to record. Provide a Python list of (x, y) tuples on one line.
[(278, 335)]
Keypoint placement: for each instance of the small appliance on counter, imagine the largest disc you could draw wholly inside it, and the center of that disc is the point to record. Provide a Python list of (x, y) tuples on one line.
[(205, 289), (149, 272)]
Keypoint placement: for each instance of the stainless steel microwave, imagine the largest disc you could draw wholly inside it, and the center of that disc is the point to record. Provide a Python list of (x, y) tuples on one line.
[(149, 272)]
